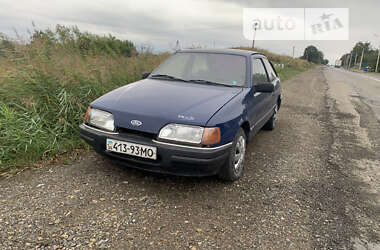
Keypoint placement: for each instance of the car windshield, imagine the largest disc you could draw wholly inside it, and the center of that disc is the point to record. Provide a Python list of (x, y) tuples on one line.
[(204, 68)]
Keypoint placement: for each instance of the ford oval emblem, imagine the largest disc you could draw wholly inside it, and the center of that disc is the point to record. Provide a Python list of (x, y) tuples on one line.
[(136, 123)]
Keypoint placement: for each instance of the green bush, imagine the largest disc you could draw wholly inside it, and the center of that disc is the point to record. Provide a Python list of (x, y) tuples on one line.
[(85, 42)]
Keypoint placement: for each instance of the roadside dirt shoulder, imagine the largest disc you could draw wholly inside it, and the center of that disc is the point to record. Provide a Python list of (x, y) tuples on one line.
[(298, 192)]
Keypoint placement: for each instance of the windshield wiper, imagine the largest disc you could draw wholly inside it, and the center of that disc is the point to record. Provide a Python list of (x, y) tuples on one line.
[(211, 82), (202, 81), (168, 77)]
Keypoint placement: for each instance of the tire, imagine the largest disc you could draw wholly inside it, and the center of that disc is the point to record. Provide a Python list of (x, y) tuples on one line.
[(234, 165), (271, 123)]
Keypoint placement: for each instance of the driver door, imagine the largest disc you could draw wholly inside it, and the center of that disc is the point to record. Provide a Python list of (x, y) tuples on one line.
[(259, 101)]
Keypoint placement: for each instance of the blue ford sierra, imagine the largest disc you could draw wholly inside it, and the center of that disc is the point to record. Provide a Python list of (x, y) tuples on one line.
[(191, 116)]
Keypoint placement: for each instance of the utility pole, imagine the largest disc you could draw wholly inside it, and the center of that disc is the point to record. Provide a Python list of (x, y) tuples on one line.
[(254, 34), (293, 50), (349, 62), (361, 59), (377, 63), (177, 46)]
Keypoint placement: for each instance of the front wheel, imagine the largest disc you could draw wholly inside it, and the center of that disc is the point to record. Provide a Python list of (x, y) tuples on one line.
[(233, 168)]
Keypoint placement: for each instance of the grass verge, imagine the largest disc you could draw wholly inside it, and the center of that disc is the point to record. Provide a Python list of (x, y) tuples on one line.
[(286, 66), (46, 87)]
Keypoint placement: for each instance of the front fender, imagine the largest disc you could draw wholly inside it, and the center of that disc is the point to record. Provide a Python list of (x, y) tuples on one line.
[(231, 117)]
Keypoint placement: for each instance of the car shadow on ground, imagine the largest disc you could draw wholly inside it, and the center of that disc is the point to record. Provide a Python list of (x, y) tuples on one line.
[(178, 189), (127, 173)]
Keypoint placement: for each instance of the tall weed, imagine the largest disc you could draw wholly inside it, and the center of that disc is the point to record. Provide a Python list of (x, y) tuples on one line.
[(46, 89)]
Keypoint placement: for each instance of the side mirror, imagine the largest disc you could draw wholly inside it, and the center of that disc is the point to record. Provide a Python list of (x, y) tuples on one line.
[(264, 87), (145, 75)]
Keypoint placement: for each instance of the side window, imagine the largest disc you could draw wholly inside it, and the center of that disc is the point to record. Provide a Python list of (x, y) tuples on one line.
[(271, 73), (259, 75)]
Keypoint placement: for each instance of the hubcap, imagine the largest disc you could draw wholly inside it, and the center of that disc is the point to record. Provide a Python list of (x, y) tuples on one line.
[(239, 154)]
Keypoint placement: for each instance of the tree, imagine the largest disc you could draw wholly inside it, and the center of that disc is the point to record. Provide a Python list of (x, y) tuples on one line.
[(345, 59), (369, 55), (312, 54), (359, 46)]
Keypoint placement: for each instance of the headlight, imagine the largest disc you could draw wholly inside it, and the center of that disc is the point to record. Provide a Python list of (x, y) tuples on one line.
[(182, 133), (190, 134), (100, 119)]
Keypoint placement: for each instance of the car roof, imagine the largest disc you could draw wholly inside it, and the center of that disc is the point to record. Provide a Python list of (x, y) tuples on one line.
[(221, 51)]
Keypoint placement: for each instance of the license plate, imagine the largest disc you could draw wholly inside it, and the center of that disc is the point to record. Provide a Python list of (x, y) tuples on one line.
[(129, 148)]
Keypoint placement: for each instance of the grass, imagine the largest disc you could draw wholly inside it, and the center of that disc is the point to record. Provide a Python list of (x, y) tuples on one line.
[(45, 90), (44, 93)]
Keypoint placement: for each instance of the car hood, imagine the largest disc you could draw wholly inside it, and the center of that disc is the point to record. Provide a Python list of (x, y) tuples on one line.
[(158, 102)]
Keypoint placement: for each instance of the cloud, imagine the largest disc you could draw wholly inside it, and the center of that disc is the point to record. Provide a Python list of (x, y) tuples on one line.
[(161, 23)]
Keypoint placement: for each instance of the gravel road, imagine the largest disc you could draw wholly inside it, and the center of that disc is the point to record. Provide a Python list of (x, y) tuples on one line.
[(312, 183)]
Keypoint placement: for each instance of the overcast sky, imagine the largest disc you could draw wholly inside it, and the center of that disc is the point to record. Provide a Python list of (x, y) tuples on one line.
[(159, 23)]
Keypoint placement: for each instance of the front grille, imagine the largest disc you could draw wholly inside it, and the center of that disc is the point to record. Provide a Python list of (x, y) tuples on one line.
[(125, 131)]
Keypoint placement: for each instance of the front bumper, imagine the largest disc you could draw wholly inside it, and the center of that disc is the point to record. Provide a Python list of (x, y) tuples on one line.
[(171, 158)]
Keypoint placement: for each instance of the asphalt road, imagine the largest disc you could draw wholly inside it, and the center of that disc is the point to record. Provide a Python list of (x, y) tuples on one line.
[(365, 86), (312, 183)]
